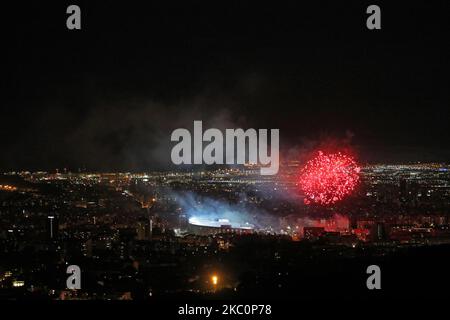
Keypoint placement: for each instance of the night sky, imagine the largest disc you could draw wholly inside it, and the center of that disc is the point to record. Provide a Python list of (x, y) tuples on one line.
[(108, 96)]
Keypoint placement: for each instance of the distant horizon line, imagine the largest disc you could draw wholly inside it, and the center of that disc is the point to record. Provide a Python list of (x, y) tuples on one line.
[(204, 168)]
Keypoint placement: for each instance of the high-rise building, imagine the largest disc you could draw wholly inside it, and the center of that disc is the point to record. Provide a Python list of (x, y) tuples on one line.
[(52, 227), (140, 230), (313, 233), (378, 232)]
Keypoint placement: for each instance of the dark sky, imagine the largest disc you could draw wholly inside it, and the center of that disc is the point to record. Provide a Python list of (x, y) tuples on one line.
[(107, 97)]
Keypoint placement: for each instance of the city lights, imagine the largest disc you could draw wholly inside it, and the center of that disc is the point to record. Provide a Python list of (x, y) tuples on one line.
[(219, 217), (18, 284)]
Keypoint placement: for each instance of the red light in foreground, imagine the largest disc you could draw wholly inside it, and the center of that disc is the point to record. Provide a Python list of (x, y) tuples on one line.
[(328, 178)]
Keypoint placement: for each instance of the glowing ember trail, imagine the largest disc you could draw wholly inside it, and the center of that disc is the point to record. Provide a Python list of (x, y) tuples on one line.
[(328, 178)]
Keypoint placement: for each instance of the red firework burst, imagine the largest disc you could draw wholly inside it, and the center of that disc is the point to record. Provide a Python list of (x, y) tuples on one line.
[(328, 178)]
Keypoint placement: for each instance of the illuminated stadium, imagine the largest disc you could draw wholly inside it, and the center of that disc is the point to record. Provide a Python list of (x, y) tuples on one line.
[(204, 226)]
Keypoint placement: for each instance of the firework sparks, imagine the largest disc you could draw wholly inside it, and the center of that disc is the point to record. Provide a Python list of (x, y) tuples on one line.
[(328, 178)]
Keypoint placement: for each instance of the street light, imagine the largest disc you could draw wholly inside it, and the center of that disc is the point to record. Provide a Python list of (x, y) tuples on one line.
[(214, 280)]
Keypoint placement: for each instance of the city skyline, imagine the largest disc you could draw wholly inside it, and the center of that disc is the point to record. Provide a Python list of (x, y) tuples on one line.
[(200, 223)]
